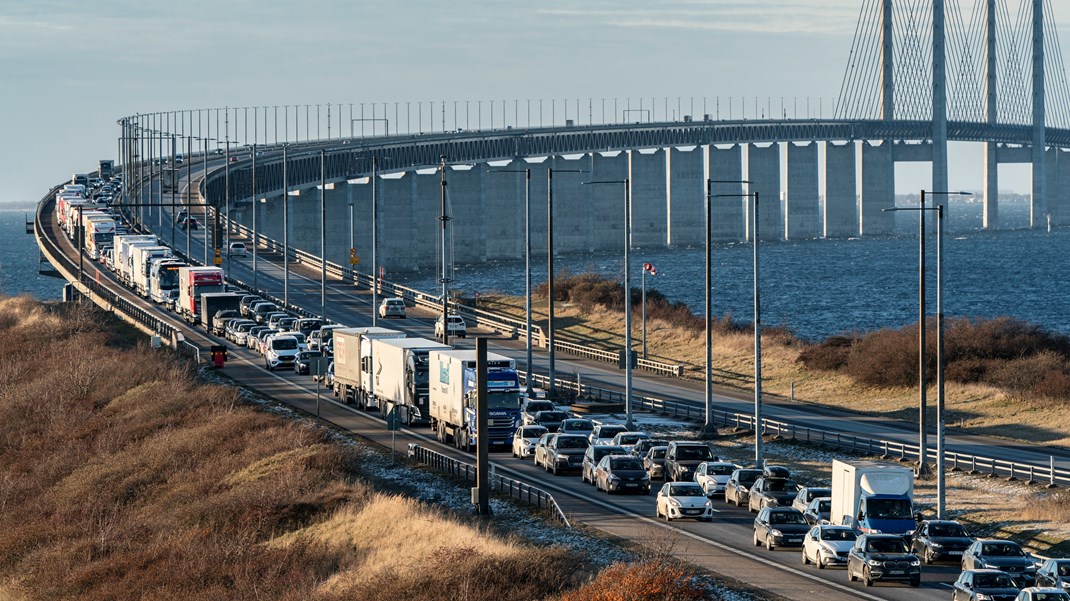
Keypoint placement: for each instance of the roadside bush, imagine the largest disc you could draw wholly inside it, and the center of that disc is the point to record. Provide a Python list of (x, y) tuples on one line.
[(647, 581)]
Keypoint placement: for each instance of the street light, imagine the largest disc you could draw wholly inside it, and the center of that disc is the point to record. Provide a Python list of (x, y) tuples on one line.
[(552, 367), (922, 442), (627, 295), (647, 267), (530, 392)]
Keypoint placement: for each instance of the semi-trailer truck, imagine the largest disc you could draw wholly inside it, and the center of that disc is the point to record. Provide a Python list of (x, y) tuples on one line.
[(121, 249), (401, 376), (140, 266), (99, 235), (352, 363), (192, 283), (163, 280), (452, 397), (126, 267), (873, 497)]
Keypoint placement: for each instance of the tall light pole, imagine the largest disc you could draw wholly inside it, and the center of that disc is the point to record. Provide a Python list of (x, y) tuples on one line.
[(445, 279), (552, 365), (529, 391), (323, 228), (940, 359), (647, 267), (285, 228), (627, 295), (256, 235)]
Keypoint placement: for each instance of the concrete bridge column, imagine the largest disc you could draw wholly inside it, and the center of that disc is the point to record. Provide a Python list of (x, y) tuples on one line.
[(728, 221), (538, 166), (647, 173), (687, 188), (503, 222), (1057, 164), (395, 222), (269, 219), (878, 190), (763, 171), (803, 218), (360, 196), (607, 202), (425, 240), (991, 195), (572, 209), (841, 191), (465, 200), (337, 223), (304, 220)]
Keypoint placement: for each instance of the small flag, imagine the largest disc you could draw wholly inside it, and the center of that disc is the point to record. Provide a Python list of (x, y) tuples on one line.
[(649, 267)]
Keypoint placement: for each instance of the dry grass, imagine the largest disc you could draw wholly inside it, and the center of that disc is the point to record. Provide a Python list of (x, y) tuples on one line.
[(123, 476)]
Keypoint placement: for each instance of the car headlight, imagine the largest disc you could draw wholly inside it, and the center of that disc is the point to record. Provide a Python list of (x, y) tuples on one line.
[(776, 533), (936, 545), (674, 502), (873, 562), (983, 597), (708, 504), (561, 458), (614, 479), (742, 489), (1032, 569), (1065, 584), (915, 563)]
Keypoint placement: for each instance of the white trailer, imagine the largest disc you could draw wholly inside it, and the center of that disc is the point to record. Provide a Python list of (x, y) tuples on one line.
[(140, 267), (121, 251), (873, 497), (453, 391), (352, 363), (401, 376), (98, 234)]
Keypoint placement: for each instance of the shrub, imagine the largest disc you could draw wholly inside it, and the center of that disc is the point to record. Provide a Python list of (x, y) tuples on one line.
[(647, 581)]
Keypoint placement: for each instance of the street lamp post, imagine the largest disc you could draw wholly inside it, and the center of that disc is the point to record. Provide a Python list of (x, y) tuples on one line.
[(529, 391), (285, 228), (445, 279), (552, 364), (256, 235), (627, 296), (940, 360), (647, 267)]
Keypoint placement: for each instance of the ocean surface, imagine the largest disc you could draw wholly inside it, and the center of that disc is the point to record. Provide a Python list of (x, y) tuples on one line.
[(816, 288)]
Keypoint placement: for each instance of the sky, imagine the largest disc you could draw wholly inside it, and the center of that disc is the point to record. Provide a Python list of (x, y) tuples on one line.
[(70, 69)]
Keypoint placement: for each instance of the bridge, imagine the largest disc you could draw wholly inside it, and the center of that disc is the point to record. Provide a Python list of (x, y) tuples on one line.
[(920, 74)]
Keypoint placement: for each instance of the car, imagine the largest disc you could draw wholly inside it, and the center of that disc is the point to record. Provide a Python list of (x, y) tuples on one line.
[(683, 458), (827, 545), (289, 324), (807, 494), (984, 585), (392, 307), (220, 319), (654, 461), (264, 336), (880, 557), (576, 425), (303, 362), (713, 475), (307, 325), (237, 249), (640, 449), (940, 539), (737, 489), (272, 319), (818, 511), (328, 376), (542, 447), (241, 332), (181, 215), (533, 406), (231, 328), (565, 453), (189, 222), (302, 341), (779, 527), (233, 160), (604, 433), (457, 327), (592, 456), (772, 492), (252, 339), (628, 440), (1054, 573), (246, 302), (1034, 593), (1003, 555), (550, 419), (321, 337), (621, 473), (524, 440), (280, 351), (260, 309), (678, 500)]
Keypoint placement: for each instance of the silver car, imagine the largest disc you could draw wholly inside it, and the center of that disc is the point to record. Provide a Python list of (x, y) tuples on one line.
[(392, 307), (828, 545), (524, 440)]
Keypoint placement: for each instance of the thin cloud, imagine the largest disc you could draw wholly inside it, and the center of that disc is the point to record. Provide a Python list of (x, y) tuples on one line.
[(22, 25)]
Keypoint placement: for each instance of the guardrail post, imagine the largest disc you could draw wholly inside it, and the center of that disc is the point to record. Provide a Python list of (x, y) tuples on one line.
[(973, 464), (1051, 471), (1031, 480)]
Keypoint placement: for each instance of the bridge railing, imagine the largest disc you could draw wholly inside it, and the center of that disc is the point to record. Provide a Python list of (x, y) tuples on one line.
[(515, 489)]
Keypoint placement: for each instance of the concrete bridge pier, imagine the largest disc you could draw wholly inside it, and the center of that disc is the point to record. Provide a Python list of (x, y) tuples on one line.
[(878, 189), (423, 239), (728, 214), (763, 171), (990, 219), (687, 187), (466, 204), (396, 235), (607, 202), (840, 217), (649, 197), (802, 214), (503, 222), (538, 166), (572, 214)]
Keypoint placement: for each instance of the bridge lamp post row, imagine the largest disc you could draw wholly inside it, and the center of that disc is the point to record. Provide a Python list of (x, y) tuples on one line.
[(922, 438)]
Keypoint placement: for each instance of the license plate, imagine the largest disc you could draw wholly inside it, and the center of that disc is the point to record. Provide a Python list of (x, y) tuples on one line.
[(954, 552), (794, 540), (896, 572), (631, 485)]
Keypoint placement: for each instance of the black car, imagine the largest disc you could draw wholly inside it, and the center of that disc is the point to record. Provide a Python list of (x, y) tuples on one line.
[(984, 585), (621, 473), (737, 490), (245, 304), (593, 455), (640, 449), (551, 420), (533, 406), (881, 557), (565, 452), (1003, 555), (303, 362), (772, 492), (683, 457), (1055, 573), (940, 539), (576, 425), (779, 527)]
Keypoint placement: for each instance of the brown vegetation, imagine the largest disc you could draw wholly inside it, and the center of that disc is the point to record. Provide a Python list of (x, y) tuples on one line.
[(123, 476)]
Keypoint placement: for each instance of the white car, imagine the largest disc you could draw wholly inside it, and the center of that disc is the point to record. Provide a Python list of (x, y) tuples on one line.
[(628, 440), (828, 545), (280, 351), (604, 433), (392, 307), (457, 327), (525, 439), (807, 494), (678, 500), (713, 475), (237, 249), (302, 340), (1035, 593)]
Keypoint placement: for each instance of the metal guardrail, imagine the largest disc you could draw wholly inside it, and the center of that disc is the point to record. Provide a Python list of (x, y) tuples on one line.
[(509, 487)]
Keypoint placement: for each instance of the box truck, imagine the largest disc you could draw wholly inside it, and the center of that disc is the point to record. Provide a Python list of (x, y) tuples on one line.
[(452, 397), (352, 363), (873, 497), (401, 376), (140, 268)]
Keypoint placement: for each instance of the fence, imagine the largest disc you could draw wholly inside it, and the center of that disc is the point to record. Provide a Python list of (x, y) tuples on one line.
[(509, 487)]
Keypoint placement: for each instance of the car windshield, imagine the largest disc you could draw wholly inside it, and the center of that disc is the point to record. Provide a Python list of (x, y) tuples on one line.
[(1049, 597), (625, 463), (886, 545), (600, 452), (780, 485), (838, 534), (572, 442), (947, 530), (686, 490), (284, 344), (532, 431), (536, 406), (631, 438), (610, 431), (786, 517), (993, 581), (813, 493), (693, 452), (889, 508), (657, 452), (720, 470), (1002, 550), (749, 476), (824, 506), (244, 327), (551, 416), (578, 425)]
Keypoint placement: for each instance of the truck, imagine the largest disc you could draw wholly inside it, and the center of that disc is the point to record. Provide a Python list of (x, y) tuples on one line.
[(80, 179), (126, 266), (352, 363), (192, 283), (452, 397), (217, 301), (99, 235), (140, 267), (401, 377), (121, 250), (873, 497), (105, 169), (163, 280)]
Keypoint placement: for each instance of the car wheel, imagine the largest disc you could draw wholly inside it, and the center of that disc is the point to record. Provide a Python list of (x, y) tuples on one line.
[(928, 556), (806, 558), (916, 582), (756, 543), (866, 578), (769, 543), (850, 574), (820, 562), (555, 468)]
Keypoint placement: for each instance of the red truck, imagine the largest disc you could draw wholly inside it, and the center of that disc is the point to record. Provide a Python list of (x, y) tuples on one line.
[(192, 283)]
